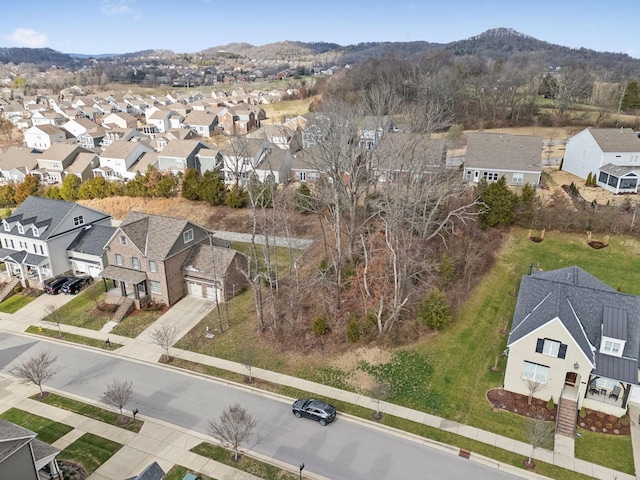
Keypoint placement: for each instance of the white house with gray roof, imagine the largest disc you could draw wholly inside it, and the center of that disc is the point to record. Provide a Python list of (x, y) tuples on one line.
[(34, 239), (574, 339), (490, 156), (611, 154)]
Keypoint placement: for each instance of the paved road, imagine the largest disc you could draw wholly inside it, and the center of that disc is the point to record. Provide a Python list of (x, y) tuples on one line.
[(348, 450)]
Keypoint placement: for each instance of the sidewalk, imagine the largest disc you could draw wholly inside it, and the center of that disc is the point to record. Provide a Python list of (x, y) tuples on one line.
[(142, 349)]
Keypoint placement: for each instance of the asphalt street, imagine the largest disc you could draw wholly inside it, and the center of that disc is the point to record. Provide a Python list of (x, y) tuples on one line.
[(346, 449)]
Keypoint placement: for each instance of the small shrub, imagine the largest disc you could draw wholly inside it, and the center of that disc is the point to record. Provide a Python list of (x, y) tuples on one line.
[(625, 421), (353, 331), (550, 404), (588, 181), (582, 413), (320, 326), (435, 310), (17, 289)]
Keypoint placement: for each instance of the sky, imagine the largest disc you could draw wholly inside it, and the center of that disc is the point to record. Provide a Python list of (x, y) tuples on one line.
[(121, 26)]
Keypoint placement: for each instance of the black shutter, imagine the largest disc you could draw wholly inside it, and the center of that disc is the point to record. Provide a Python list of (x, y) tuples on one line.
[(563, 351), (540, 345)]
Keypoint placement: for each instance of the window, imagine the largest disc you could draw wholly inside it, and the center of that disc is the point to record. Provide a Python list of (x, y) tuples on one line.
[(491, 176), (20, 229), (552, 348), (79, 220), (6, 226), (535, 372), (155, 287), (612, 347), (123, 240), (518, 178), (468, 175), (35, 231), (187, 236), (119, 259), (153, 266), (135, 263)]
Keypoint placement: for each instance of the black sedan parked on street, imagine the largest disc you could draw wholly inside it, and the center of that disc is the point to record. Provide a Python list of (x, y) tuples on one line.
[(314, 409)]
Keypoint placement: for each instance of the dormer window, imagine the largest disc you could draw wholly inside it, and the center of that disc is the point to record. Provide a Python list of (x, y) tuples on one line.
[(20, 228), (35, 231), (6, 226), (187, 236), (612, 347)]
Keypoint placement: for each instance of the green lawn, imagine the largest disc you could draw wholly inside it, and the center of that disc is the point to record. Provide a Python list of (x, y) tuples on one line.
[(81, 312), (134, 325), (90, 411), (246, 464), (15, 302), (48, 431), (89, 451)]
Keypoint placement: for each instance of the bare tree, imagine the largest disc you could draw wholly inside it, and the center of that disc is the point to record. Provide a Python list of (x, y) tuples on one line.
[(118, 394), (37, 369), (165, 336), (533, 388), (540, 433), (53, 316), (233, 428), (248, 358)]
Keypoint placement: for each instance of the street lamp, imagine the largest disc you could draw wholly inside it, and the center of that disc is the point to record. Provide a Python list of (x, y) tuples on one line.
[(301, 468)]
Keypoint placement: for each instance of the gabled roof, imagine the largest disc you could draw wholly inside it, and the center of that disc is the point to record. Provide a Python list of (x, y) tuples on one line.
[(60, 152), (17, 157), (47, 129), (44, 212), (181, 148), (198, 117), (409, 152), (152, 472), (122, 149), (581, 303), (504, 152), (211, 260), (615, 139), (156, 236)]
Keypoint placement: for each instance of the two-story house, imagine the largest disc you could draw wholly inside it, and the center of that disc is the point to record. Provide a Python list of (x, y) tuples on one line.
[(35, 237), (154, 258), (574, 339), (118, 158), (43, 136), (16, 163), (611, 154), (178, 155), (53, 162)]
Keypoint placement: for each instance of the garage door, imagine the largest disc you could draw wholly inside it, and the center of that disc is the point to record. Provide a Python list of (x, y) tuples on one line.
[(212, 292), (194, 289)]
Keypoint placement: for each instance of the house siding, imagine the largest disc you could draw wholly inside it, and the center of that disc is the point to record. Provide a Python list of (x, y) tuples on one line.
[(525, 350)]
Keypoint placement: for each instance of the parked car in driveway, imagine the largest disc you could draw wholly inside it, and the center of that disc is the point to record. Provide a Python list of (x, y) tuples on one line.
[(318, 410), (54, 286), (76, 284)]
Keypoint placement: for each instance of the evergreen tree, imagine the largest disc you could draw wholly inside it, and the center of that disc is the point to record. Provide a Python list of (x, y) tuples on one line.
[(212, 187), (500, 204), (191, 184), (631, 98), (435, 310), (236, 197), (588, 181)]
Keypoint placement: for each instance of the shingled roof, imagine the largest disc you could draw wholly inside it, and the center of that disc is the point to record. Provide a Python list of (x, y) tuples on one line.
[(504, 152), (580, 301)]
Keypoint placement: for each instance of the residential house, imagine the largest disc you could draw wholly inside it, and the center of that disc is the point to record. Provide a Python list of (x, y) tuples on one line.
[(490, 156), (407, 157), (23, 456), (278, 135), (574, 339), (224, 120), (208, 159), (276, 163), (120, 120), (92, 139), (304, 167), (202, 123), (82, 167), (53, 161), (163, 118), (160, 259), (126, 135), (244, 120), (80, 125), (241, 157), (86, 253), (373, 129), (119, 157), (16, 163), (178, 155), (43, 136), (47, 117), (611, 154), (35, 237)]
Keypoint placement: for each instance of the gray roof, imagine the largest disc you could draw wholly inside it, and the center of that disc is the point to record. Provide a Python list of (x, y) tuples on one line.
[(42, 212), (92, 240), (16, 157), (620, 171), (522, 153), (583, 304), (210, 260), (155, 235), (124, 274), (408, 152), (616, 139), (182, 148)]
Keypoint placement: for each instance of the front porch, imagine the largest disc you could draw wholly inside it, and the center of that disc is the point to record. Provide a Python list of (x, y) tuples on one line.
[(126, 284), (32, 270), (607, 395)]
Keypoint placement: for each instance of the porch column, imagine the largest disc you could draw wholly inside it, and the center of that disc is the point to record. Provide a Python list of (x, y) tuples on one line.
[(123, 288)]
